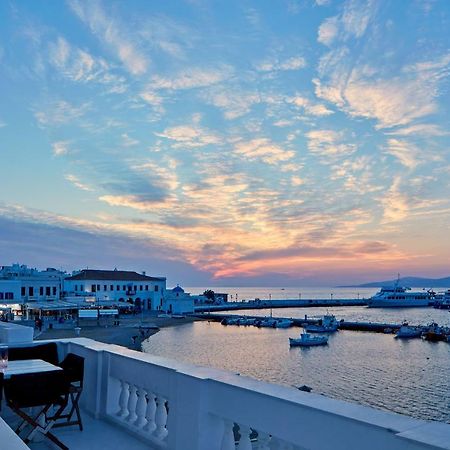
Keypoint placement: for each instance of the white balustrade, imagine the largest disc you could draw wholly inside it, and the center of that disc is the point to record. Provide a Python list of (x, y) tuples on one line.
[(161, 418), (123, 399), (132, 401), (175, 406), (150, 413)]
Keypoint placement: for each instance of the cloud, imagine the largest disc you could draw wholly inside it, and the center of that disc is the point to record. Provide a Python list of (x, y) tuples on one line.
[(328, 143), (77, 183), (2, 124), (189, 136), (60, 112), (194, 77), (111, 31), (128, 141), (234, 102), (293, 63), (395, 203), (80, 66), (328, 31), (405, 152), (60, 148), (314, 109), (263, 149), (425, 129)]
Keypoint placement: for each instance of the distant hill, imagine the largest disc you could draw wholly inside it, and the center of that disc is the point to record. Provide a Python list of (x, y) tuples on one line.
[(409, 281)]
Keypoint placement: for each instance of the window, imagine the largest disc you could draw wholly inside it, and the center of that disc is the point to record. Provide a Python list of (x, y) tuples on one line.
[(47, 290), (1, 295), (140, 287), (54, 290), (111, 288), (98, 287), (9, 295), (146, 287), (22, 291), (93, 288), (81, 287), (135, 288), (76, 287), (31, 291), (105, 288), (117, 288), (156, 288), (41, 290), (124, 288)]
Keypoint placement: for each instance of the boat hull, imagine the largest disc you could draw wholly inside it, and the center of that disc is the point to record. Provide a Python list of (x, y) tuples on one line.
[(319, 329), (385, 303), (303, 343)]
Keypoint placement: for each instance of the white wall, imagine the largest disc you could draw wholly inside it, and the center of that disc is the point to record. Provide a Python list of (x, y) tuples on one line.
[(84, 287), (10, 286)]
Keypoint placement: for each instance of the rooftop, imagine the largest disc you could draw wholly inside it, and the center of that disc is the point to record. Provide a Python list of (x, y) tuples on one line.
[(116, 275)]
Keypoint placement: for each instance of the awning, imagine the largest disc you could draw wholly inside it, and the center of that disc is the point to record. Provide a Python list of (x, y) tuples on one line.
[(52, 305)]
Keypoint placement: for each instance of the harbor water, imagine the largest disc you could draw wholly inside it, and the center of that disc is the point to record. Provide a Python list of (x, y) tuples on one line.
[(410, 377)]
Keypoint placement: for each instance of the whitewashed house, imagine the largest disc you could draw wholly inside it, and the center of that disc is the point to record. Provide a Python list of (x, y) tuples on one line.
[(176, 301), (117, 286), (21, 284)]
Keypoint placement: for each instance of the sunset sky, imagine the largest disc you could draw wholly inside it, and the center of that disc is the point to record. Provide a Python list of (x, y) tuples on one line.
[(239, 142)]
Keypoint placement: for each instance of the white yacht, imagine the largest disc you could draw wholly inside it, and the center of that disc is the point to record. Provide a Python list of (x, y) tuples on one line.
[(398, 297)]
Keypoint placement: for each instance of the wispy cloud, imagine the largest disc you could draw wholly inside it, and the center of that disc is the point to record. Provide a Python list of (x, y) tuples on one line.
[(309, 107), (263, 149), (189, 136), (59, 112), (128, 141), (406, 152), (293, 63), (194, 77), (60, 148), (77, 183), (111, 31), (329, 143)]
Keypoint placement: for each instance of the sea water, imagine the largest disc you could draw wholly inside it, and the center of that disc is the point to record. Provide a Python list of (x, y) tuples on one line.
[(410, 377)]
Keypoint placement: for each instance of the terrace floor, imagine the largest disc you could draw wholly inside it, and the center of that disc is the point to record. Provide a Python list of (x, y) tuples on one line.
[(96, 435)]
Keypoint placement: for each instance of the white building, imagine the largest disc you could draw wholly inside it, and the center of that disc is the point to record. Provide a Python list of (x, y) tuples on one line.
[(177, 301), (20, 284), (117, 286)]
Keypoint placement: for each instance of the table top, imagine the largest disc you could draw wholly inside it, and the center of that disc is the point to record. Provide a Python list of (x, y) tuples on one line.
[(28, 366)]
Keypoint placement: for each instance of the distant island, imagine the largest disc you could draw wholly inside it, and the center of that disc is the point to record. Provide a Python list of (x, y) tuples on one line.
[(408, 281)]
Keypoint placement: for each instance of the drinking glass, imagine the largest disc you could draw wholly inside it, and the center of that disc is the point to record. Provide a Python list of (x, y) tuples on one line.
[(3, 357)]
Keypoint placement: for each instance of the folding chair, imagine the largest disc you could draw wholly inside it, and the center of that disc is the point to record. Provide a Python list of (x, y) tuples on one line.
[(44, 390), (73, 367)]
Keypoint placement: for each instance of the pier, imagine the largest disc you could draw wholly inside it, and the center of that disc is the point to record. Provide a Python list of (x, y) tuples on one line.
[(375, 327), (291, 303)]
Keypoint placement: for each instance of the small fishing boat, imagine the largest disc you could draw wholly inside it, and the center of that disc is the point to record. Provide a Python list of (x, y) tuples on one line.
[(267, 322), (327, 324), (283, 323), (306, 340), (407, 331), (436, 333)]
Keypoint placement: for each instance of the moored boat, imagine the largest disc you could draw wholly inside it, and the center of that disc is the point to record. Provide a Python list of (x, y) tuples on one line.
[(306, 340), (407, 331), (436, 333), (328, 324), (443, 300), (283, 323), (401, 297)]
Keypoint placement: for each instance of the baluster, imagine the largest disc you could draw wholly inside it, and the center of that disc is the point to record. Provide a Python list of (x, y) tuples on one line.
[(141, 407), (123, 399), (150, 413), (161, 418), (132, 400), (228, 436), (263, 441), (244, 441)]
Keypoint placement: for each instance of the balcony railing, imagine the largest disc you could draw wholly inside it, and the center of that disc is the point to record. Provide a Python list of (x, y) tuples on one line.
[(177, 406)]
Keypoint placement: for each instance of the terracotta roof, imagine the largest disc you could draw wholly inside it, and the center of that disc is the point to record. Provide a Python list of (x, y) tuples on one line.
[(119, 275)]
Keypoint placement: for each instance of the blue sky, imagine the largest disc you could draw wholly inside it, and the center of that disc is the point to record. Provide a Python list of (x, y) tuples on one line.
[(238, 142)]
